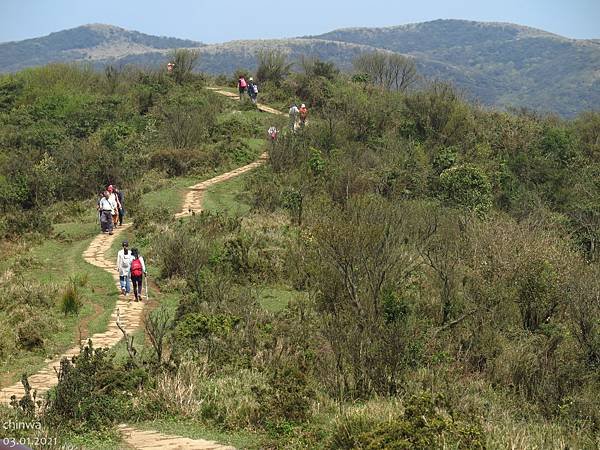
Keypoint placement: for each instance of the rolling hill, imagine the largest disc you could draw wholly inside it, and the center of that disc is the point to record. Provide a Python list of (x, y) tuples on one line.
[(503, 64), (497, 64)]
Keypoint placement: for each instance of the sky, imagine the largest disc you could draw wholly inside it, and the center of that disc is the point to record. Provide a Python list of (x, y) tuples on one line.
[(219, 21)]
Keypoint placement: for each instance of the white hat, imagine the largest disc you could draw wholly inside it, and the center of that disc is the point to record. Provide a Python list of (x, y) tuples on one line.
[(303, 105), (250, 78)]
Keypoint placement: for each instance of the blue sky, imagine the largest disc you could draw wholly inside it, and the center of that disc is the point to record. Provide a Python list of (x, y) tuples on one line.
[(218, 21)]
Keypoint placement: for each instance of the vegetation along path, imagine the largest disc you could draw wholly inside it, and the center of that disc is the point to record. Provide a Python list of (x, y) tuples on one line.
[(129, 316)]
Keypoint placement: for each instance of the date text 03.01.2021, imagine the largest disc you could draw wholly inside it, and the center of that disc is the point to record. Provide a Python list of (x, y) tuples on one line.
[(26, 442)]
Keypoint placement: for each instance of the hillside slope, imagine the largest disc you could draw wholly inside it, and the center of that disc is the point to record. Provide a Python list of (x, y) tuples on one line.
[(502, 64), (95, 42)]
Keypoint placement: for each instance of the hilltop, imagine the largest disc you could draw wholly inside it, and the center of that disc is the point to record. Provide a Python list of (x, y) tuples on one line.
[(93, 42), (497, 64)]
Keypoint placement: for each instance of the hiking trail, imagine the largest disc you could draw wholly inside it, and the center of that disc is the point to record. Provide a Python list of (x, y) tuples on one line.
[(130, 316)]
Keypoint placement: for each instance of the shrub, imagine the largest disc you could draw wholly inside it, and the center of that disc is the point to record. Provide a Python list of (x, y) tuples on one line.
[(466, 187), (92, 391), (288, 397), (70, 302), (272, 66), (8, 340), (428, 422)]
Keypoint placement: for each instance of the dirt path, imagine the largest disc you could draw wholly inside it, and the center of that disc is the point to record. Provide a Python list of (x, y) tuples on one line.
[(154, 440), (260, 106), (130, 316)]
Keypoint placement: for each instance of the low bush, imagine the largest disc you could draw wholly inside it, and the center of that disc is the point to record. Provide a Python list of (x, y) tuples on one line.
[(427, 422), (93, 391), (70, 301)]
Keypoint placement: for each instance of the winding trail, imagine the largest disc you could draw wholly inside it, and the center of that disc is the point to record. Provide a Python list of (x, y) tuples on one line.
[(129, 315)]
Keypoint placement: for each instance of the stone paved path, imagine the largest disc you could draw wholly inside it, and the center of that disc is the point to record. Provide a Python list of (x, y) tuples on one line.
[(153, 440), (130, 314)]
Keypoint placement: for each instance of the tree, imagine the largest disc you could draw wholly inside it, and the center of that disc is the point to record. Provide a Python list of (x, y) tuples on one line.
[(388, 70), (314, 67), (272, 66), (185, 61), (467, 187)]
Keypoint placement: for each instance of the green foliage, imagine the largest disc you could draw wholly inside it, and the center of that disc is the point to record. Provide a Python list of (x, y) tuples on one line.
[(93, 391), (194, 330), (185, 61), (466, 187), (70, 300), (272, 66), (427, 423)]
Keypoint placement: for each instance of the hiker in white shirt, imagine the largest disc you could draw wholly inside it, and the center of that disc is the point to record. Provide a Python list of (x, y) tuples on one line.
[(114, 202), (294, 111), (105, 209), (124, 258)]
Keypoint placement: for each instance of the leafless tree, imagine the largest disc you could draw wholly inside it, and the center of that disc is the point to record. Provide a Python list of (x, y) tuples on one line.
[(388, 70)]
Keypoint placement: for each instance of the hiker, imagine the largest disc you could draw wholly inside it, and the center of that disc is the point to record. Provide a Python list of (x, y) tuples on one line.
[(303, 115), (121, 210), (105, 210), (242, 86), (293, 117), (272, 132), (252, 90), (170, 67), (137, 272), (114, 201), (124, 258)]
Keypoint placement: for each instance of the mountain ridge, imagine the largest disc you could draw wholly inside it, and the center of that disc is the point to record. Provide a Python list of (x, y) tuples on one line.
[(496, 63)]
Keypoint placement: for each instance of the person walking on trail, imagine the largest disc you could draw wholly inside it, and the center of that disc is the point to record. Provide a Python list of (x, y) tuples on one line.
[(114, 202), (272, 132), (294, 111), (303, 115), (105, 209), (242, 86), (252, 90), (119, 194), (124, 259), (137, 272)]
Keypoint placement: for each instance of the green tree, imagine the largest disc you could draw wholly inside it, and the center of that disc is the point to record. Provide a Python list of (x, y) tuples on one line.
[(185, 61), (468, 187), (272, 66)]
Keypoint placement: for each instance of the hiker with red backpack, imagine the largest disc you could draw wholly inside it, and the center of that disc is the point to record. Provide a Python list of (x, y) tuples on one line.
[(137, 270), (242, 86)]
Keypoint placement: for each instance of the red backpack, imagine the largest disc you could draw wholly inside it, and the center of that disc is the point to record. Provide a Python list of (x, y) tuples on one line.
[(243, 82), (136, 268)]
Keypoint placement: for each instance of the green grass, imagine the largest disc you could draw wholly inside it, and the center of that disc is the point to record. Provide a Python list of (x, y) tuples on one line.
[(53, 262), (171, 197), (277, 298), (96, 440), (227, 197)]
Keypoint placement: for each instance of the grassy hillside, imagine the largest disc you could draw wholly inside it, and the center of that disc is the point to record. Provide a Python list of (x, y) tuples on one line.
[(409, 270)]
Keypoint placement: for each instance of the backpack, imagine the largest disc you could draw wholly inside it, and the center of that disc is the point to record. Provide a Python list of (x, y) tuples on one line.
[(243, 83), (255, 89), (126, 261), (136, 268)]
